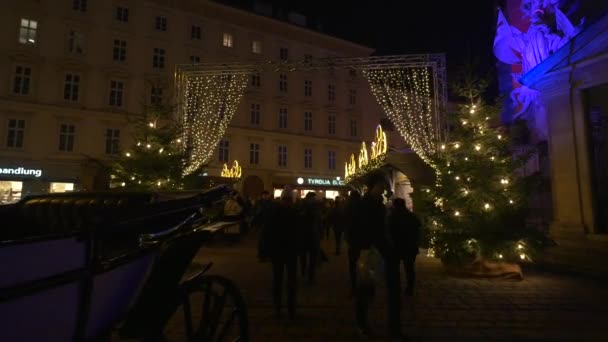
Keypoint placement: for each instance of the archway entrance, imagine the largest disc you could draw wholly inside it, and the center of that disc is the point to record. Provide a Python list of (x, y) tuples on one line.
[(253, 186)]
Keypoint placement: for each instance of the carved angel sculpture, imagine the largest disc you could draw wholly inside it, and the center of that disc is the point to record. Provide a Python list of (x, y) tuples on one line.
[(530, 48)]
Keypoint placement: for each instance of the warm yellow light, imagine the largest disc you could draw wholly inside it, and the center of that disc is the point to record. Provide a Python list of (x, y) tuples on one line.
[(472, 111), (363, 158), (132, 178), (179, 140), (499, 137), (151, 124), (477, 147), (492, 158), (138, 143), (465, 191), (128, 154), (148, 146), (466, 158), (161, 150), (520, 246), (457, 146), (443, 147), (499, 256), (511, 201), (234, 172), (380, 145), (464, 122), (123, 184), (457, 213), (428, 190), (158, 183), (486, 206), (457, 178), (522, 256)]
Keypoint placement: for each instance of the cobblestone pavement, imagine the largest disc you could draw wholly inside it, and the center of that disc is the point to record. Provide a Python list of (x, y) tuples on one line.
[(543, 307)]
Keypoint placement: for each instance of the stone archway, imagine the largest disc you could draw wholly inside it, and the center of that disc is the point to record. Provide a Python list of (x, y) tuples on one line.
[(253, 186)]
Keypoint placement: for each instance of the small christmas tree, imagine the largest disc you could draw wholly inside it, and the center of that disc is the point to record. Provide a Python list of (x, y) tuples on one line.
[(156, 160), (478, 207)]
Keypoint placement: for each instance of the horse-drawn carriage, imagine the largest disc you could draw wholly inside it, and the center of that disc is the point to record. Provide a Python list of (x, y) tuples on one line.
[(90, 266)]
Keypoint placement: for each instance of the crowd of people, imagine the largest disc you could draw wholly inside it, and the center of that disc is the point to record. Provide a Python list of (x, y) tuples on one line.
[(373, 224)]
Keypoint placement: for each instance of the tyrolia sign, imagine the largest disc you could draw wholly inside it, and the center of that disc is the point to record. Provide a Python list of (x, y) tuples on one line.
[(20, 171), (320, 181)]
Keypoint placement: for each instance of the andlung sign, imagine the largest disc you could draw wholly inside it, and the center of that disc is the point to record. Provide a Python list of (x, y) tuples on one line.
[(321, 181), (21, 171)]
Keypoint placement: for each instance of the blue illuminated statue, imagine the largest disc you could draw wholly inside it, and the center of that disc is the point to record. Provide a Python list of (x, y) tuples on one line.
[(549, 30)]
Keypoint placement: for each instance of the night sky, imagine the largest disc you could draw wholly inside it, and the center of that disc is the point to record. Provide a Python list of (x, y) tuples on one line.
[(462, 29)]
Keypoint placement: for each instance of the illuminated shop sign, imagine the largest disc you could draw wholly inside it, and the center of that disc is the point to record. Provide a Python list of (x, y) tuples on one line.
[(320, 181), (21, 171)]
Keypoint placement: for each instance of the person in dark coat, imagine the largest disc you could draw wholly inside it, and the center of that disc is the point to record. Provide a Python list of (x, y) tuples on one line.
[(280, 245), (311, 223), (338, 222), (371, 232), (404, 228), (351, 233)]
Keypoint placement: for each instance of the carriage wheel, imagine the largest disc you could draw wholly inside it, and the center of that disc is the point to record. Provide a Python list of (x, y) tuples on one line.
[(222, 314)]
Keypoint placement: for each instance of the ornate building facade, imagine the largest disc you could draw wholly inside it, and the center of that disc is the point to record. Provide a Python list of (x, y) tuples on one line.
[(74, 72)]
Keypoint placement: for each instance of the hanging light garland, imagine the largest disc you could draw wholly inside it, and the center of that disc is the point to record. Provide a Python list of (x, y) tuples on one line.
[(210, 104), (405, 95)]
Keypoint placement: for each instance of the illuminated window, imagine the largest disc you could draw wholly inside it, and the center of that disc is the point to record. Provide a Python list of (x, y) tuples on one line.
[(10, 191), (27, 31), (256, 46), (227, 41), (331, 194), (61, 187)]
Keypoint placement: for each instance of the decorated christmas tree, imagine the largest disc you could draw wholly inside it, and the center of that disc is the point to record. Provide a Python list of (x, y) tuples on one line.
[(156, 160), (478, 207)]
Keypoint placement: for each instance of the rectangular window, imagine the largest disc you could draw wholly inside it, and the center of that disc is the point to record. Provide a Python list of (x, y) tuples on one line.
[(227, 40), (283, 118), (308, 121), (158, 58), (14, 136), (112, 141), (195, 59), (156, 95), (119, 52), (255, 80), (79, 5), (27, 31), (352, 73), (353, 127), (308, 158), (224, 151), (254, 154), (282, 155), (255, 114), (307, 88), (71, 87), (195, 32), (160, 23), (61, 187), (66, 137), (256, 47), (116, 93), (352, 96), (331, 93), (284, 53), (283, 83), (21, 82), (308, 59), (331, 124), (75, 42), (331, 160), (122, 14)]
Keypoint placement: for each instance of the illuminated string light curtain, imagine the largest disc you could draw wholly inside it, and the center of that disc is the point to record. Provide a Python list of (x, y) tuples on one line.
[(405, 95), (210, 104)]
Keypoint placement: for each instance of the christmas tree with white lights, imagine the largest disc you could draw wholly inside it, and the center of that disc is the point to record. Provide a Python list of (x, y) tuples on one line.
[(478, 207), (156, 159)]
